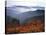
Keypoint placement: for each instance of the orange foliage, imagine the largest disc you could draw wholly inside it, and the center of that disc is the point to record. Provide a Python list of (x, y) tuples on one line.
[(30, 26)]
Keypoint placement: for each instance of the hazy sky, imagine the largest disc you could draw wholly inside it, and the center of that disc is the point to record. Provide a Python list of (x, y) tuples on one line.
[(25, 2), (20, 10)]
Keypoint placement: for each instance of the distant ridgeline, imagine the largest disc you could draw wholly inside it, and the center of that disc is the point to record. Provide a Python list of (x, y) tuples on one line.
[(25, 16), (29, 15)]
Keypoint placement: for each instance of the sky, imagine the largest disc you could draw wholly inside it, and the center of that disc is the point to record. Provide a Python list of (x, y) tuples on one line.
[(25, 2), (20, 12), (28, 3)]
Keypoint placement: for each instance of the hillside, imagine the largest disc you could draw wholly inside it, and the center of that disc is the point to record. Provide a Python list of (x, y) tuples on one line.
[(34, 25)]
